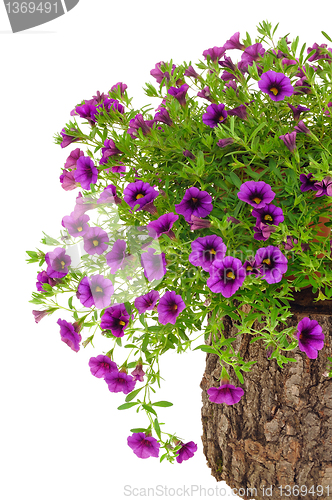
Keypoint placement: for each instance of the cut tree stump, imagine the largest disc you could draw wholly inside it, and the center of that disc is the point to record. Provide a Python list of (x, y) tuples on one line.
[(280, 432)]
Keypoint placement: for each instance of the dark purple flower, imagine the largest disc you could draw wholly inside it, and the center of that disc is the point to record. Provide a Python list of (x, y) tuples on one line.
[(117, 257), (42, 278), (318, 55), (70, 334), (119, 86), (95, 240), (327, 112), (110, 149), (234, 42), (222, 143), (250, 267), (119, 382), (207, 249), (146, 302), (226, 276), (139, 193), (197, 223), (87, 111), (302, 87), (115, 319), (240, 111), (226, 393), (154, 265), (226, 76), (252, 53), (194, 202), (76, 226), (310, 336), (289, 244), (263, 231), (163, 116), (215, 53), (215, 113), (308, 183), (257, 194), (186, 451), (169, 307), (109, 195), (191, 72), (179, 93), (95, 291), (270, 215), (117, 168), (289, 140), (324, 187), (143, 446), (101, 365), (57, 262), (205, 93), (297, 110), (68, 139), (138, 373), (73, 157), (67, 180), (86, 173), (272, 263), (276, 85), (188, 154), (233, 219), (158, 74), (227, 63), (163, 225), (137, 123), (111, 105), (302, 128), (39, 315)]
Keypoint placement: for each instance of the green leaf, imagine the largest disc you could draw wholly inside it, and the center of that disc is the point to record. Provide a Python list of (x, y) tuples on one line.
[(70, 302), (326, 36), (157, 427), (133, 394), (125, 406), (162, 403), (149, 409), (138, 429), (235, 179), (205, 348)]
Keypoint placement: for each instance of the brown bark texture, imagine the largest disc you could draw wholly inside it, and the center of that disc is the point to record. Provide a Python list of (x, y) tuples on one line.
[(280, 432)]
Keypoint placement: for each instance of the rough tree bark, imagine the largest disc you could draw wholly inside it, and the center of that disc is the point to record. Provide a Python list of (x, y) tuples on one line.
[(280, 433)]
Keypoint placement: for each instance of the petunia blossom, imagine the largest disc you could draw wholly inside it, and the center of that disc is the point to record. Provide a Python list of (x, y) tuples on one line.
[(86, 173), (163, 225), (256, 193), (146, 302), (154, 265), (101, 365), (226, 393), (308, 183), (234, 42), (57, 262), (276, 85), (194, 202), (73, 157), (76, 226), (119, 382), (115, 319), (215, 53), (207, 249), (186, 451), (143, 446), (70, 334), (272, 263), (310, 336), (95, 291), (324, 187), (226, 276), (169, 307), (179, 93), (95, 240), (214, 114), (289, 140)]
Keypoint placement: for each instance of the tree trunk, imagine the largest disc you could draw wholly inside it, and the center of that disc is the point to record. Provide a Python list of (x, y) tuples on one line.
[(280, 433)]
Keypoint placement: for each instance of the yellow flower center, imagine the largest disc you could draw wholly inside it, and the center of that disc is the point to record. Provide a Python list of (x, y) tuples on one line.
[(213, 251), (122, 323), (231, 275), (62, 264), (95, 242), (79, 229), (257, 200), (267, 262), (274, 90), (175, 307), (249, 268), (98, 289), (139, 196), (268, 217), (194, 199)]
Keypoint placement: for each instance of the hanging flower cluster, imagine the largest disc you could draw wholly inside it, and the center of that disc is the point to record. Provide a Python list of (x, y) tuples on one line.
[(217, 200)]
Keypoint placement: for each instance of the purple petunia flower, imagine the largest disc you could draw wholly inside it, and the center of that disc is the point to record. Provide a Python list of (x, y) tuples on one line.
[(39, 315), (95, 291), (194, 202), (169, 307), (205, 93), (101, 365), (143, 446), (226, 393), (137, 123), (109, 195), (87, 111), (257, 194), (76, 226), (158, 74), (234, 42), (222, 143), (263, 231), (138, 373), (276, 85), (119, 86), (179, 93), (302, 128), (68, 139), (67, 180), (227, 63), (191, 72), (70, 334), (86, 173), (95, 240), (318, 55), (308, 183), (215, 113), (57, 262), (111, 105), (215, 53), (250, 267), (324, 187), (115, 319), (226, 276), (73, 157), (119, 382), (163, 225), (198, 223), (186, 451), (42, 278), (139, 193), (272, 263), (146, 302), (110, 149), (117, 168), (154, 265), (188, 154), (289, 140), (302, 86), (206, 250), (270, 214), (117, 257), (310, 336), (163, 116), (240, 111), (297, 110), (83, 204)]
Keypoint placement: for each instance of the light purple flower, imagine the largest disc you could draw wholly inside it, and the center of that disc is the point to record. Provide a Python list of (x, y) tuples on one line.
[(95, 240), (70, 334), (119, 86), (86, 173), (270, 215), (179, 93), (101, 365), (137, 123), (146, 302), (95, 291), (234, 42), (205, 93), (324, 187), (163, 225), (76, 226), (222, 143), (39, 315), (215, 53), (276, 85), (158, 74), (226, 276), (186, 451), (83, 204), (143, 446), (154, 265), (215, 113), (302, 128), (310, 336), (109, 195), (207, 249), (163, 116), (191, 72), (115, 319), (263, 231), (194, 202), (289, 140), (87, 111), (240, 111), (169, 307), (73, 157), (198, 223), (188, 154), (67, 180), (257, 194), (110, 149), (42, 278), (272, 263), (138, 373), (57, 262), (139, 193), (68, 139), (226, 393), (120, 382), (117, 257)]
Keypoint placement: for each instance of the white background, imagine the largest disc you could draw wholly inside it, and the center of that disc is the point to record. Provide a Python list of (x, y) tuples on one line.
[(61, 434)]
